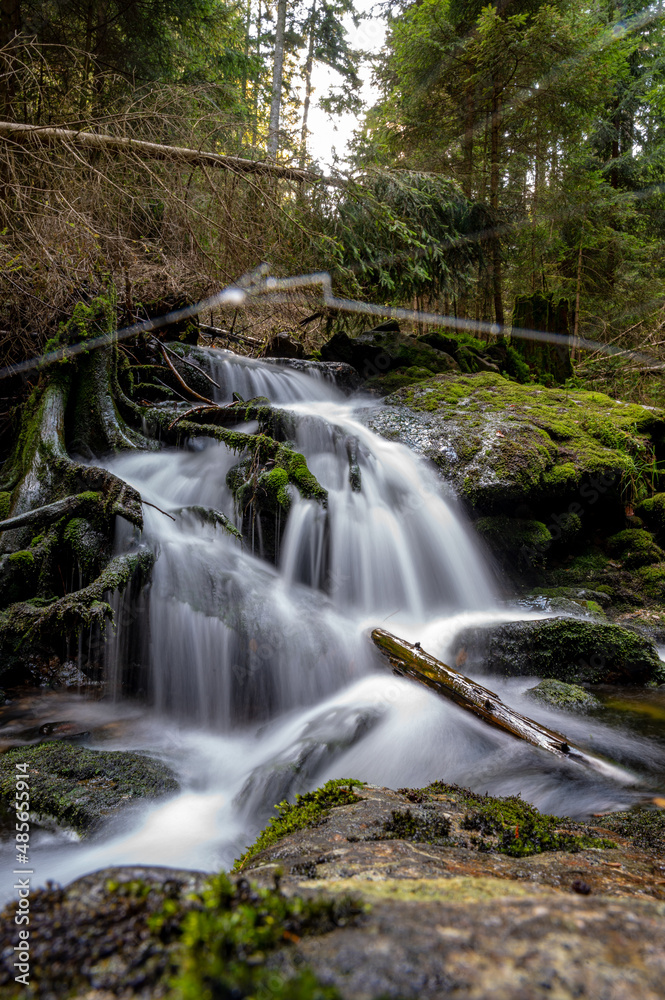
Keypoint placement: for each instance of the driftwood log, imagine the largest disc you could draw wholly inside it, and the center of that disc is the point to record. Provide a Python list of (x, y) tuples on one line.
[(409, 660)]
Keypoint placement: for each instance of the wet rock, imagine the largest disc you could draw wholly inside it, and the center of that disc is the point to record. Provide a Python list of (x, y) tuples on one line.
[(284, 345), (562, 649), (510, 448), (568, 697), (344, 376), (77, 788), (514, 542), (365, 911), (383, 350)]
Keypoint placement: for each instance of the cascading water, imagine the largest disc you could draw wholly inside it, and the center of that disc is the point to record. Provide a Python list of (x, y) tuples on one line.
[(260, 678)]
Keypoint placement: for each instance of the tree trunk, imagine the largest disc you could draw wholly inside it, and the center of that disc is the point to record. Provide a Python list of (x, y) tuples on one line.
[(308, 87), (277, 76), (495, 177)]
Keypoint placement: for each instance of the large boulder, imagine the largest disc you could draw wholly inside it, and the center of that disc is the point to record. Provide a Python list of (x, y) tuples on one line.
[(561, 648), (384, 349), (421, 893), (77, 788), (524, 450)]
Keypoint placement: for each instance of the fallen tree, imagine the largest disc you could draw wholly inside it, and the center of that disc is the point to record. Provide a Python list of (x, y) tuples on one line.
[(410, 660), (47, 135)]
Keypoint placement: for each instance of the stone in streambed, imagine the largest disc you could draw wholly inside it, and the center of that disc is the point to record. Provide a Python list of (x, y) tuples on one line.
[(561, 648), (77, 788), (568, 697)]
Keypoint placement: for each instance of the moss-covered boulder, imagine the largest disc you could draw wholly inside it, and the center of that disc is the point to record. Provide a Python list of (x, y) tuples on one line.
[(635, 548), (74, 787), (514, 541), (563, 649), (385, 349), (567, 697), (652, 512), (524, 449)]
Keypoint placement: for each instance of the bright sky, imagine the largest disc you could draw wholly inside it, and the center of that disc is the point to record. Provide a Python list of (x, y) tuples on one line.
[(327, 133)]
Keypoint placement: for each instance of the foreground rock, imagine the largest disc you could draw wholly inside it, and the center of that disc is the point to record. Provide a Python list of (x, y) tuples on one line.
[(576, 652), (518, 449), (77, 788), (423, 893)]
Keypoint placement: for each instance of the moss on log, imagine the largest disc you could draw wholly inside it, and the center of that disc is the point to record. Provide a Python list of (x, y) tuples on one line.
[(409, 660)]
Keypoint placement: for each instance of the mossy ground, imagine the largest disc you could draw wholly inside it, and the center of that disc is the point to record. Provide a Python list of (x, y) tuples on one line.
[(512, 826), (228, 937), (145, 937), (75, 787), (645, 827), (309, 809)]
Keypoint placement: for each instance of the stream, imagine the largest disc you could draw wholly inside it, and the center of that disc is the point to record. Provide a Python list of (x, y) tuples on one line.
[(259, 681)]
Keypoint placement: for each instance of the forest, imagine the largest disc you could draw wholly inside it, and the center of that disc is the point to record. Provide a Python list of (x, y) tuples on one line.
[(332, 499)]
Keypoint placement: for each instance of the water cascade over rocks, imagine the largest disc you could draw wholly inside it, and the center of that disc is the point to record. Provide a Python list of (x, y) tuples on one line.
[(257, 679)]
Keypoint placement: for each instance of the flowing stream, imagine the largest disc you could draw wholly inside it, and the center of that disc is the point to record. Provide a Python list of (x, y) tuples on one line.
[(259, 680)]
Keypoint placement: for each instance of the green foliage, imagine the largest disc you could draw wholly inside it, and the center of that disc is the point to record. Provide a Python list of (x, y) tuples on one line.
[(228, 937), (398, 235), (309, 809)]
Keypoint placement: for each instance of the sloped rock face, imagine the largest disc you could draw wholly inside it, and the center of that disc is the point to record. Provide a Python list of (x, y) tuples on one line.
[(523, 450), (434, 906)]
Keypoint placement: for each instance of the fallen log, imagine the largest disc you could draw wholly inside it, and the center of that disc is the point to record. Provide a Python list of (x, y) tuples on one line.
[(26, 134), (409, 660)]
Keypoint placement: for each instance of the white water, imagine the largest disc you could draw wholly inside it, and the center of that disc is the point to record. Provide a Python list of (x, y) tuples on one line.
[(261, 680)]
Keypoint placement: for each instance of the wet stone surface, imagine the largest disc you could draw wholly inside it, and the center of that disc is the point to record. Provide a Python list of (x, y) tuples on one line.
[(435, 915)]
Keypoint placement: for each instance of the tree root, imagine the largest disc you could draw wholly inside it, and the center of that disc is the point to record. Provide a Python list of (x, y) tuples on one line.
[(25, 621)]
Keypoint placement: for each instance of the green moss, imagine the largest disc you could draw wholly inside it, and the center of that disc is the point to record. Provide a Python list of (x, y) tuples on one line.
[(422, 828), (22, 622), (645, 827), (635, 548), (5, 505), (76, 787), (652, 580), (23, 560), (228, 936), (309, 809), (653, 512), (512, 826), (568, 697), (510, 534), (398, 378), (542, 441), (88, 320)]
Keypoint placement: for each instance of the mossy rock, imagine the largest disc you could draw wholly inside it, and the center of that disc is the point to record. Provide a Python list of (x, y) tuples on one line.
[(383, 350), (545, 450), (397, 379), (74, 787), (635, 548), (519, 542), (652, 511), (309, 809), (563, 649), (568, 697)]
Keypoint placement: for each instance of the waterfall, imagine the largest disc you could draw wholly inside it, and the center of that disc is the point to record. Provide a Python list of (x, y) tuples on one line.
[(259, 678), (235, 639)]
